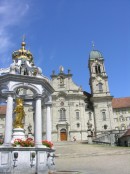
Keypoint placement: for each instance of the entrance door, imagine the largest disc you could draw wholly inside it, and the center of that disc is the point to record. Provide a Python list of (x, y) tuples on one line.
[(63, 135)]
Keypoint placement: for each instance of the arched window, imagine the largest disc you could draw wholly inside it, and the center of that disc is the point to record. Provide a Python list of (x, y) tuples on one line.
[(97, 69), (77, 115), (105, 126), (62, 114), (103, 115)]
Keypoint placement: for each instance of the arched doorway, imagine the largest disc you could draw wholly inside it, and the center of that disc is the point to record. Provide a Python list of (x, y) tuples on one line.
[(63, 135)]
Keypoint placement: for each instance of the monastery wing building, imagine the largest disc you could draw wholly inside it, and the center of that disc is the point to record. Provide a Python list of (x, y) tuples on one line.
[(74, 110)]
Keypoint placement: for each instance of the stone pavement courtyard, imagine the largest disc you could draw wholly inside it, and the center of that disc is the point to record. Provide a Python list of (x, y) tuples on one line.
[(81, 158)]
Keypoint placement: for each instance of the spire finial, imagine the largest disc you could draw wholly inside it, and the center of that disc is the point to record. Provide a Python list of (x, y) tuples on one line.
[(23, 42), (23, 38), (93, 45), (61, 68)]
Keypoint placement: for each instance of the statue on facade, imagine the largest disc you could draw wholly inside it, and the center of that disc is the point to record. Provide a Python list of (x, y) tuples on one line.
[(90, 133), (29, 129), (19, 112), (89, 125)]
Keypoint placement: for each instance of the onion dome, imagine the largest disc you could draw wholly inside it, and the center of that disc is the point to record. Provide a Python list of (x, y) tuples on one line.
[(95, 54), (22, 53)]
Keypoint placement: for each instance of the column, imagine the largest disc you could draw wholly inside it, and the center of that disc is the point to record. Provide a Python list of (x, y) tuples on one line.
[(8, 121), (48, 122), (38, 122)]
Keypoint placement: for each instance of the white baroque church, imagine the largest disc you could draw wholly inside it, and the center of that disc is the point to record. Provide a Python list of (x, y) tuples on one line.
[(73, 109)]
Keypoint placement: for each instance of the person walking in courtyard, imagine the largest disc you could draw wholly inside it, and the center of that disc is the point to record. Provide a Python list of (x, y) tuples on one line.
[(74, 139)]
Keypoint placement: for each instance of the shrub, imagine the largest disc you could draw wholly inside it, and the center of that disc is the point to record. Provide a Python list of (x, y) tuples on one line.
[(24, 143), (47, 143)]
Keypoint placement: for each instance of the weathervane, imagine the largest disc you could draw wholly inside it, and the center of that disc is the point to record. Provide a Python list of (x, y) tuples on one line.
[(93, 45)]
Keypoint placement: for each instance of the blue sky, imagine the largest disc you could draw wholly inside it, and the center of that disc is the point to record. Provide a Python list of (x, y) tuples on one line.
[(60, 32)]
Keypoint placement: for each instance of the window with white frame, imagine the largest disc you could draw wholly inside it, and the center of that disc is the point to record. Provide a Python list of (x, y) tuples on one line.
[(77, 115), (103, 115), (62, 114)]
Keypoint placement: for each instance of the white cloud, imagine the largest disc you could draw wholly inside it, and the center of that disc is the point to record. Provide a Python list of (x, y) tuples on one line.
[(12, 12)]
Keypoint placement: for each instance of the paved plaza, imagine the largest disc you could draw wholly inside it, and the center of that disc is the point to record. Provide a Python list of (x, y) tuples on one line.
[(81, 158)]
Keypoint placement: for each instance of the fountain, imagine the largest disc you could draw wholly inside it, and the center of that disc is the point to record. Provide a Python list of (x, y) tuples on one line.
[(24, 84)]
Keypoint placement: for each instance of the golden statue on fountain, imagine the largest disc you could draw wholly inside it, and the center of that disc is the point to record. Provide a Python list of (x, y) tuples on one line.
[(20, 114)]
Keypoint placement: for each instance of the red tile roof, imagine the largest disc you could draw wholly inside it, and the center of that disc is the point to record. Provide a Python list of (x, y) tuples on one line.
[(121, 102), (127, 133), (2, 110)]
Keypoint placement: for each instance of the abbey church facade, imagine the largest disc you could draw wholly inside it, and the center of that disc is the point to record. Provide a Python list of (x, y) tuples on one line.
[(72, 109)]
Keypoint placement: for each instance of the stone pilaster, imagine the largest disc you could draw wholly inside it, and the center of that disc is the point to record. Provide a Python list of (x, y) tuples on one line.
[(9, 120), (48, 121), (38, 122)]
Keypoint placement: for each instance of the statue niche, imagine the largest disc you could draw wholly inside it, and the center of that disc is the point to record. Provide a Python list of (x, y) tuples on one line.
[(19, 114)]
